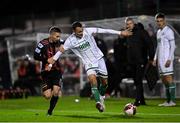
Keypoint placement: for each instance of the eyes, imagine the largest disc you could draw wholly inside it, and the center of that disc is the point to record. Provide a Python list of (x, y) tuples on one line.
[(159, 20)]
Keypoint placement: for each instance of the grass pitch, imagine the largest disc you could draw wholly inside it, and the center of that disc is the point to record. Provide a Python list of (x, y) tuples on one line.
[(34, 109)]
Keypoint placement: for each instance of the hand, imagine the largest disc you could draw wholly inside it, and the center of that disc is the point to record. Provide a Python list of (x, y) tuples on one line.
[(126, 33), (48, 67), (154, 63), (168, 62), (51, 60), (61, 48)]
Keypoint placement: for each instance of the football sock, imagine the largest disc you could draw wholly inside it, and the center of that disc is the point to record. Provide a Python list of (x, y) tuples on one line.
[(102, 89), (95, 93), (172, 91), (53, 102), (103, 86), (167, 92)]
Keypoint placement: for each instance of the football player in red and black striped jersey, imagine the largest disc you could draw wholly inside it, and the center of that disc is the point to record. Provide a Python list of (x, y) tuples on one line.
[(51, 74)]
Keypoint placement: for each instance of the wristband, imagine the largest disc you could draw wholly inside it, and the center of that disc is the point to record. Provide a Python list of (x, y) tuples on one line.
[(50, 65), (57, 55)]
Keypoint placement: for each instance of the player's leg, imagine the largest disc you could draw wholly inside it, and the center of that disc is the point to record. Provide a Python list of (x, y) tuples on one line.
[(56, 81), (165, 82), (167, 79), (47, 94), (95, 91), (91, 70), (171, 89), (167, 92), (103, 76), (46, 87), (54, 99), (103, 85), (93, 82)]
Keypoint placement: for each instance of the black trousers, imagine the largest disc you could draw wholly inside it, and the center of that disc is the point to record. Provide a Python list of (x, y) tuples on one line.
[(138, 75)]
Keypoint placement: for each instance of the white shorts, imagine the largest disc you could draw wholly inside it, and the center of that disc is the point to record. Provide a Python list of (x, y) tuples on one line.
[(165, 70), (98, 68)]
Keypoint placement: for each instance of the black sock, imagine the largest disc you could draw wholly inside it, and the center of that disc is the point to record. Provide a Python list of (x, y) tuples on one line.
[(53, 102)]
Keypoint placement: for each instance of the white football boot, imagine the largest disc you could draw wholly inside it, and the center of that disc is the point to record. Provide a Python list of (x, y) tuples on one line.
[(164, 104)]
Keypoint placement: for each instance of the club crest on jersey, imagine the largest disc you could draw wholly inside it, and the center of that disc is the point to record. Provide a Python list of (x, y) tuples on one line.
[(84, 46), (90, 65)]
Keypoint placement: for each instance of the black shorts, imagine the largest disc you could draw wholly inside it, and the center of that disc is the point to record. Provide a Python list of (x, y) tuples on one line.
[(51, 78)]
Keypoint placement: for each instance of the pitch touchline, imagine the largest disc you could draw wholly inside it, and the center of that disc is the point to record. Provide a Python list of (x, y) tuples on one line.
[(34, 110)]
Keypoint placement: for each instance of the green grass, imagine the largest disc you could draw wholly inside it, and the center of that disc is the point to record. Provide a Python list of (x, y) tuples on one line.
[(34, 109)]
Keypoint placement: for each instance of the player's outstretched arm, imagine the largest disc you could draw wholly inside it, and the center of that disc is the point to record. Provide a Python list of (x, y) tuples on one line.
[(125, 33)]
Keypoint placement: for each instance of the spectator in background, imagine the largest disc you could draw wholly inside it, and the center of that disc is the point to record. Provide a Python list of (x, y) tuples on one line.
[(113, 79), (164, 58), (28, 75), (139, 51)]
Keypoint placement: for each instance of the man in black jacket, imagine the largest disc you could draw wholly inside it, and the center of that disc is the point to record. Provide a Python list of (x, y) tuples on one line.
[(140, 49)]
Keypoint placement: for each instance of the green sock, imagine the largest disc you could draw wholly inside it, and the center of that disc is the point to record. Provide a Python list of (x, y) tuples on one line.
[(102, 89), (95, 93), (167, 92), (172, 90), (102, 86)]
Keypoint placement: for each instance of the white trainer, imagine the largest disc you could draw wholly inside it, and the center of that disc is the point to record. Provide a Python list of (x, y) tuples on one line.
[(164, 104), (171, 103)]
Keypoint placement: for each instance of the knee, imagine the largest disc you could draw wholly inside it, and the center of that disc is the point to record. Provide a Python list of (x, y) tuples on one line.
[(92, 78), (104, 82), (56, 92), (47, 96)]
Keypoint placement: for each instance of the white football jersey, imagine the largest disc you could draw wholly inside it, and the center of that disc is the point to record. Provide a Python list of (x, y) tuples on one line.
[(165, 50), (86, 47), (164, 37)]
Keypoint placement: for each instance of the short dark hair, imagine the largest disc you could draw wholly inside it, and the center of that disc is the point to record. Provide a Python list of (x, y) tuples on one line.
[(128, 19), (160, 15), (76, 24), (54, 29)]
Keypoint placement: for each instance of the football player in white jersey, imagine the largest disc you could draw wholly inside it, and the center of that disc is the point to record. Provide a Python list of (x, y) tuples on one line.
[(164, 57), (83, 44)]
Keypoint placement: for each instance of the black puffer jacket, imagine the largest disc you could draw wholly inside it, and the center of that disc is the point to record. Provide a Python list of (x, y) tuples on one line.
[(139, 46)]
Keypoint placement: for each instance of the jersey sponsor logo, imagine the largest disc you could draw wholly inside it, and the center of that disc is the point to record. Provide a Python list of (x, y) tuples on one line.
[(89, 65), (84, 46), (40, 45), (37, 50)]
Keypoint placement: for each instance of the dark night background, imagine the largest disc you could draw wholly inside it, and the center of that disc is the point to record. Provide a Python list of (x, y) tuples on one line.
[(15, 12)]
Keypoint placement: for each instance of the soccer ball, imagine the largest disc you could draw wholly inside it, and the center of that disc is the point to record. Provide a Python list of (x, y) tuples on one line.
[(130, 109)]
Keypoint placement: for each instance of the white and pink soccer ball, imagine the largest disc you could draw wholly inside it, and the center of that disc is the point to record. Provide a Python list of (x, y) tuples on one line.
[(130, 109)]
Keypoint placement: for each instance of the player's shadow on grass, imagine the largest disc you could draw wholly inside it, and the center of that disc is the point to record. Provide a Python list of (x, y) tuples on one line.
[(99, 117), (83, 116), (122, 116)]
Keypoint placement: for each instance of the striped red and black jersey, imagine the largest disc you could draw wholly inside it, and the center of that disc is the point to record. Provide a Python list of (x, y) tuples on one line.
[(44, 50)]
